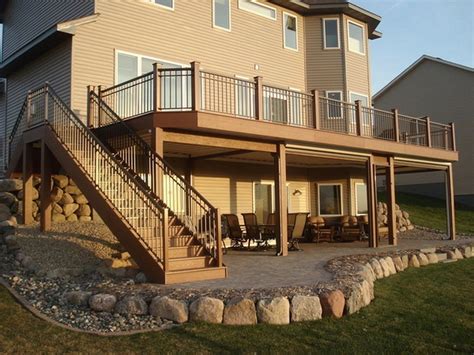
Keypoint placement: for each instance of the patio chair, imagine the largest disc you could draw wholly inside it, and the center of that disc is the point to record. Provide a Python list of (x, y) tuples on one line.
[(364, 223), (297, 233), (319, 231), (268, 231), (252, 230), (234, 232), (350, 229)]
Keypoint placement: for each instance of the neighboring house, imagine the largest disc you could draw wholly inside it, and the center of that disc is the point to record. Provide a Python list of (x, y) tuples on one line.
[(444, 91), (242, 105)]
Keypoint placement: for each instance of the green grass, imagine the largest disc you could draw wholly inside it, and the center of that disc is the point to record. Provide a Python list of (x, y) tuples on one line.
[(428, 310), (431, 212)]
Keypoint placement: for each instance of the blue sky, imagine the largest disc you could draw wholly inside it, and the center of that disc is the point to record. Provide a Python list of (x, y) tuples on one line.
[(411, 28)]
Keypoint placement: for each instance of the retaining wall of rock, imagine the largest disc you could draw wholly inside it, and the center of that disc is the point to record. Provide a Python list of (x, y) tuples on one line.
[(402, 217), (69, 204)]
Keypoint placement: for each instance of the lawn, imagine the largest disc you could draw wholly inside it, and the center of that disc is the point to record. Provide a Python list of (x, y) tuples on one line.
[(431, 212), (428, 310)]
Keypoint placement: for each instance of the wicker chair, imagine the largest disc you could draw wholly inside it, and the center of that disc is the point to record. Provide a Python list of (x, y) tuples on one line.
[(364, 223), (319, 231), (350, 229)]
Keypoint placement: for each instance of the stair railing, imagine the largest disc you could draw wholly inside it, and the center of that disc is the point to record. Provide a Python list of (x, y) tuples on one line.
[(119, 186), (167, 186)]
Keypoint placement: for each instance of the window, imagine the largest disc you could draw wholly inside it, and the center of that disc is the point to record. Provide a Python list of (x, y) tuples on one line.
[(275, 107), (331, 33), (244, 97), (366, 118), (356, 38), (290, 29), (169, 4), (361, 199), (334, 109), (257, 8), (330, 199), (221, 14), (263, 197), (127, 67), (364, 99)]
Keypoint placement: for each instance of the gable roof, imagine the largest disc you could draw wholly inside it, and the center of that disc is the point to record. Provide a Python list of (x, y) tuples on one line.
[(423, 58)]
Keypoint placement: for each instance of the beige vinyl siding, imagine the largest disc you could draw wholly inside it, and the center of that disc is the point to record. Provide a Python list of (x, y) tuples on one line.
[(357, 65), (325, 67), (54, 66), (184, 35), (24, 20)]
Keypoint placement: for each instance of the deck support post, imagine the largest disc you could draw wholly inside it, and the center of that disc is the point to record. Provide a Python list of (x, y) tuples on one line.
[(45, 193), (281, 203), (428, 131), (166, 240), (156, 87), (27, 184), (218, 232), (453, 137), (196, 85), (316, 116), (99, 111), (450, 206), (396, 125), (358, 114), (157, 143), (188, 176), (90, 107), (372, 202), (258, 98), (391, 200)]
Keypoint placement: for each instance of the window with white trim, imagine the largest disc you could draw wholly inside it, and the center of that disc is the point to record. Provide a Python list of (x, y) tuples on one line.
[(290, 31), (244, 97), (169, 4), (356, 37), (334, 109), (330, 199), (258, 8), (221, 14), (331, 33), (362, 206)]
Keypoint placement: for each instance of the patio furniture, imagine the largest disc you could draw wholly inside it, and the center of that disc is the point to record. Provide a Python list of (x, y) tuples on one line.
[(297, 232), (234, 231), (364, 223), (319, 231), (253, 230), (268, 230), (350, 229)]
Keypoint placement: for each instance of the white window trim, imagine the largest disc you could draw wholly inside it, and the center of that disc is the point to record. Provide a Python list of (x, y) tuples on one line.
[(214, 17), (263, 5), (284, 31), (341, 199), (263, 182), (338, 33), (355, 199), (342, 99), (163, 6), (360, 94), (363, 38)]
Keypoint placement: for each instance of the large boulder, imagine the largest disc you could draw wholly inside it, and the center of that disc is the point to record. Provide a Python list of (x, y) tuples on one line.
[(367, 273), (83, 210), (72, 218), (66, 199), (397, 261), (423, 259), (72, 190), (206, 309), (78, 298), (240, 311), (132, 305), (11, 185), (332, 304), (57, 217), (413, 261), (57, 208), (102, 302), (34, 194), (377, 268), (56, 194), (274, 311), (405, 260), (432, 258), (466, 251), (81, 199), (85, 218), (60, 180), (391, 265), (7, 198), (305, 308), (458, 254), (359, 296), (168, 308), (385, 267), (70, 208)]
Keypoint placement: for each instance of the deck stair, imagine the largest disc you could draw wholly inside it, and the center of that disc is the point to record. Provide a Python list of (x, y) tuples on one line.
[(169, 245)]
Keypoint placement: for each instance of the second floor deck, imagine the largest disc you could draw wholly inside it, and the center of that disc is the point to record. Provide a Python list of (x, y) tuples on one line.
[(195, 99)]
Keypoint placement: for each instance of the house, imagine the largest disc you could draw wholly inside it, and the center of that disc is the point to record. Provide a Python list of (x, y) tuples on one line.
[(415, 91), (170, 113)]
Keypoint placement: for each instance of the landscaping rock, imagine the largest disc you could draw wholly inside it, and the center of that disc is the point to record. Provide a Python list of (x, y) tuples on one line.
[(274, 311), (305, 308), (69, 208), (72, 218), (385, 267), (102, 302), (60, 180), (391, 265), (413, 262), (140, 278), (206, 309), (332, 304), (240, 311), (81, 199), (56, 194), (57, 208), (442, 256), (432, 258), (83, 210), (72, 190), (78, 298), (423, 259), (11, 185), (56, 217), (85, 218), (34, 194), (405, 261), (458, 254), (131, 305), (66, 200), (358, 297), (7, 198), (397, 261), (467, 252), (7, 230), (377, 268), (167, 308), (367, 273)]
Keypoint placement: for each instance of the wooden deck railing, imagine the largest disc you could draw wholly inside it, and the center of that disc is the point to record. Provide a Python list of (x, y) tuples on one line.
[(193, 89)]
